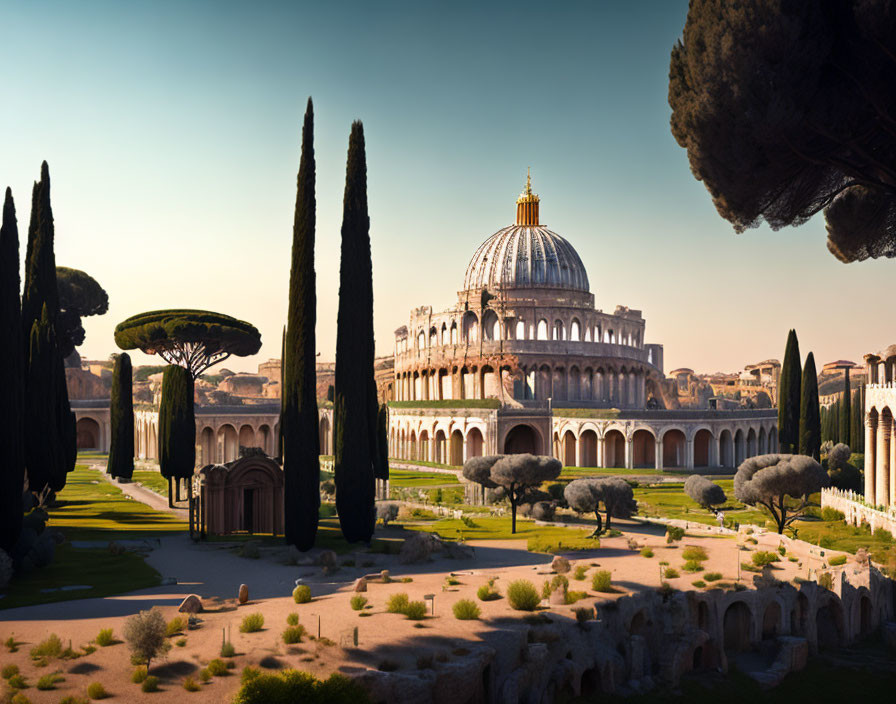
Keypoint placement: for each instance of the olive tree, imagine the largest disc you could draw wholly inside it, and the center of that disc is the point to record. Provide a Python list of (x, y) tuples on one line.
[(586, 496), (516, 475), (781, 484), (386, 511), (144, 633), (704, 492)]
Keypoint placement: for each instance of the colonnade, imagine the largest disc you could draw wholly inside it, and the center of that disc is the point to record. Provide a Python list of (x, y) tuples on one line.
[(880, 457)]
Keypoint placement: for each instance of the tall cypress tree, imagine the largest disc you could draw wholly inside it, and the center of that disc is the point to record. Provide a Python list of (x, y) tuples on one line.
[(177, 427), (121, 449), (354, 420), (298, 411), (789, 397), (810, 417), (846, 413), (12, 382), (857, 430), (381, 461), (41, 445), (835, 421)]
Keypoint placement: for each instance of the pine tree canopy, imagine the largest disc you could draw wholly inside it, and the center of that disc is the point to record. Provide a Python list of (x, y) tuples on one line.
[(80, 295)]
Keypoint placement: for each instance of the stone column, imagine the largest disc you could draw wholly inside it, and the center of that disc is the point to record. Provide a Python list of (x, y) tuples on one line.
[(891, 475), (882, 462), (689, 454), (629, 453), (658, 454), (600, 453), (580, 459), (870, 464)]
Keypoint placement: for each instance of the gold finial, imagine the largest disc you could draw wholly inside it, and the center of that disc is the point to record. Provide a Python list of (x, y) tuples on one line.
[(527, 204), (528, 182)]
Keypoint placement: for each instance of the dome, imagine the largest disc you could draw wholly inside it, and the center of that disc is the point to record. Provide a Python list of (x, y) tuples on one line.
[(523, 256)]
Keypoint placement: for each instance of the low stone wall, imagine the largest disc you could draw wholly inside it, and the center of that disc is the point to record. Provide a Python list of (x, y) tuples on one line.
[(647, 640), (856, 511)]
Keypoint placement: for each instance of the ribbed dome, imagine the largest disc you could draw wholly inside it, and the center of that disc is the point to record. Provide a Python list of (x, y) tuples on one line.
[(522, 256)]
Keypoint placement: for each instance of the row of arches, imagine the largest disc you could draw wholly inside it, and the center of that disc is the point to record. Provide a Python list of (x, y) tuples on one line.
[(452, 448)]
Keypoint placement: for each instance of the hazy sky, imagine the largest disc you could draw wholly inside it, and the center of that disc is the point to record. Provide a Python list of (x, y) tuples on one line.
[(172, 130)]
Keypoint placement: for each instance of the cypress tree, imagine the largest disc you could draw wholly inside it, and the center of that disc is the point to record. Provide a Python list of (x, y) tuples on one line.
[(177, 427), (12, 388), (41, 446), (857, 431), (835, 422), (298, 411), (846, 414), (381, 461), (789, 396), (810, 420), (353, 418), (121, 449)]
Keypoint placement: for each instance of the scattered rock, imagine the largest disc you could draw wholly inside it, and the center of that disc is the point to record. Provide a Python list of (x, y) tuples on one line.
[(418, 548), (360, 585), (243, 595), (384, 575), (191, 605), (560, 565)]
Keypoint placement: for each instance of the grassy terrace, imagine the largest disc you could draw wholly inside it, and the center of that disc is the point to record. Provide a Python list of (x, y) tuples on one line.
[(449, 403), (547, 539)]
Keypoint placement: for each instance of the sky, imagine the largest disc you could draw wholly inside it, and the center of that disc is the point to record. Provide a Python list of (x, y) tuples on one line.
[(172, 131)]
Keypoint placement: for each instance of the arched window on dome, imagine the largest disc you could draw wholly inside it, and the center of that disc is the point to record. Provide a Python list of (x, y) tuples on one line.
[(491, 327), (421, 340), (433, 337), (575, 330), (559, 330), (453, 333), (597, 333), (470, 329), (520, 330), (542, 331), (587, 333)]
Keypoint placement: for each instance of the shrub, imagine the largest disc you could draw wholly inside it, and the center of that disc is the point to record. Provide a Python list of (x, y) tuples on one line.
[(712, 576), (581, 571), (145, 635), (70, 699), (466, 610), (95, 690), (831, 514), (175, 626), (572, 596), (674, 533), (487, 592), (826, 580), (249, 673), (602, 581), (293, 634), (695, 553), (358, 602), (217, 667), (252, 623), (415, 610), (19, 698), (191, 685), (782, 550), (49, 648), (180, 642), (646, 552), (397, 603), (105, 637), (671, 573), (9, 670), (292, 619), (138, 675), (522, 595), (837, 560), (452, 581), (692, 566), (558, 582), (205, 675), (11, 644), (150, 684), (17, 682), (583, 614), (761, 558), (302, 594), (296, 686), (699, 583), (227, 650), (49, 681)]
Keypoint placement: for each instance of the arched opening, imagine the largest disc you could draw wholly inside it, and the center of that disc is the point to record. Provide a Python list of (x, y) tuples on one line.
[(207, 446), (762, 444), (773, 440), (457, 449), (325, 437), (771, 621), (736, 626), (591, 683), (614, 449), (470, 327), (573, 389), (575, 330), (247, 436), (520, 330), (228, 443), (643, 449), (569, 449), (865, 618), (490, 387), (541, 332), (263, 436), (558, 390), (421, 340), (697, 658), (423, 447), (522, 439), (703, 616), (639, 624), (88, 431), (799, 619), (829, 625), (440, 447), (674, 448), (739, 448), (443, 338), (702, 440), (559, 332), (726, 449), (453, 333), (751, 443), (433, 337), (412, 446), (474, 443), (491, 328), (543, 383), (588, 448)]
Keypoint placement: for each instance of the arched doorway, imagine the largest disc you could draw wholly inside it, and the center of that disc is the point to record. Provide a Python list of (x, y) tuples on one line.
[(569, 449), (207, 446), (263, 437), (736, 626), (643, 449), (521, 439), (440, 447), (423, 449), (228, 443), (829, 625), (674, 448), (865, 619), (751, 443), (702, 440), (614, 449), (773, 440), (88, 434), (588, 448), (739, 448), (799, 619), (474, 443), (726, 449), (325, 436), (247, 436), (457, 449), (771, 621)]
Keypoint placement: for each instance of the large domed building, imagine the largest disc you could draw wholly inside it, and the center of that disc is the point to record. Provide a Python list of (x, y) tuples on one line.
[(524, 362)]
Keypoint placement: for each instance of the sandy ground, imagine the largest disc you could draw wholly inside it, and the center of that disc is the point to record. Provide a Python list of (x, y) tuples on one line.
[(215, 573)]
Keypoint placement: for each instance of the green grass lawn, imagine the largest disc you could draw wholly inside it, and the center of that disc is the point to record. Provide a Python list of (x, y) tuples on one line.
[(154, 481), (539, 538), (670, 501), (402, 478), (576, 472), (837, 535)]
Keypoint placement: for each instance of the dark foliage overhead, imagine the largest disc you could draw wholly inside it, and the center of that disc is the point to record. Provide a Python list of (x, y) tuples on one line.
[(787, 108), (193, 339), (79, 296), (177, 425), (810, 412)]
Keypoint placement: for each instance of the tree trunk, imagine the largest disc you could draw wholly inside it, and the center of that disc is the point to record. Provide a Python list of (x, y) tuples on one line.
[(170, 499), (512, 514), (600, 524)]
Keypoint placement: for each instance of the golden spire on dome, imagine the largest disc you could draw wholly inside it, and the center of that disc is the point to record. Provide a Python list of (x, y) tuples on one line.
[(527, 204)]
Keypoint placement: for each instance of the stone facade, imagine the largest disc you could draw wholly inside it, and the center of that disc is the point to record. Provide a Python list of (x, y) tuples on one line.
[(880, 430), (856, 511)]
